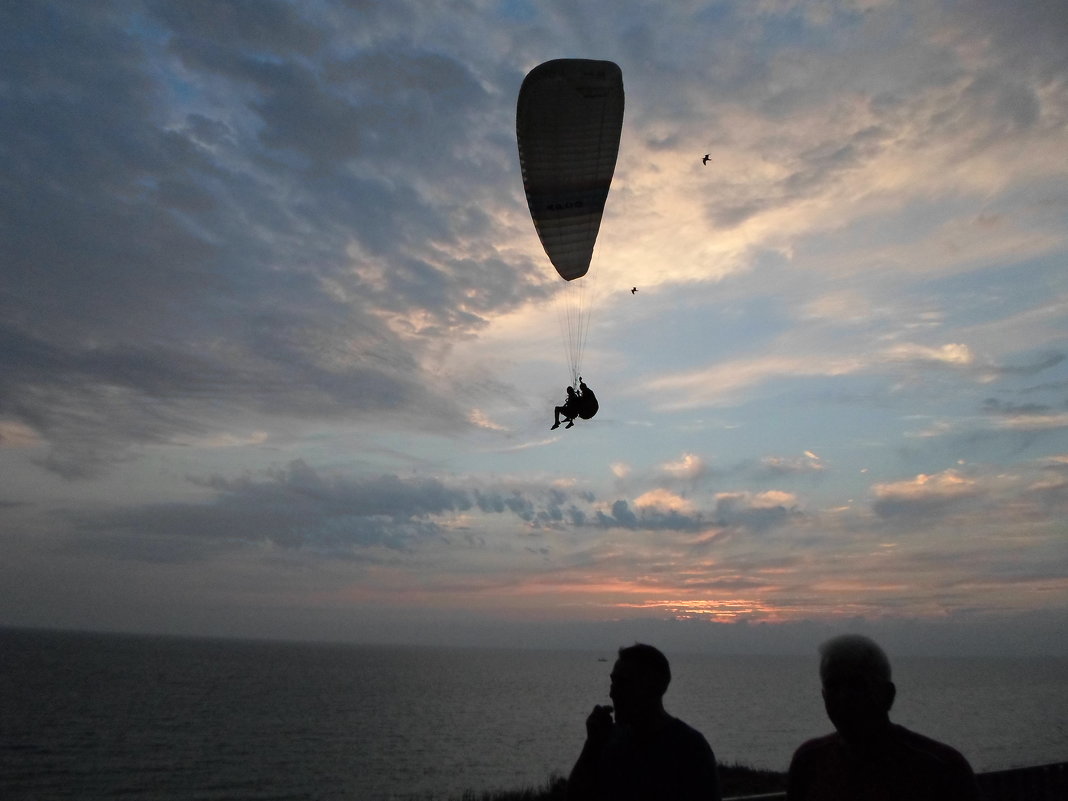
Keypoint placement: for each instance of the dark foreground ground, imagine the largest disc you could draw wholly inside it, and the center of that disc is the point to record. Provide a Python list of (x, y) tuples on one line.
[(1037, 783), (734, 780)]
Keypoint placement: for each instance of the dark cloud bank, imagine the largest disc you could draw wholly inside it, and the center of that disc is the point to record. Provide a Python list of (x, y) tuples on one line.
[(197, 201)]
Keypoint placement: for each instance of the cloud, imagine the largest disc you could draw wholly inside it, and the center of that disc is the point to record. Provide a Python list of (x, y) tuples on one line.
[(923, 494), (187, 228), (664, 502), (280, 203), (1023, 416), (16, 435), (479, 418), (721, 383), (775, 466), (263, 27), (689, 466), (240, 231), (726, 383), (953, 354), (660, 509), (755, 510), (299, 508), (293, 507)]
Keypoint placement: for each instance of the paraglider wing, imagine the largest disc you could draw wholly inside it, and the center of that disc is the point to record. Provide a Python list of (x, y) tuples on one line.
[(568, 122)]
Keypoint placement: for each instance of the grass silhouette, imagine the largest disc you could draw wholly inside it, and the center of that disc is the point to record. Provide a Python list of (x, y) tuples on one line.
[(735, 779)]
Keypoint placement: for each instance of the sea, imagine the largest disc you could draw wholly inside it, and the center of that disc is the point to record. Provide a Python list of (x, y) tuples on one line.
[(106, 716)]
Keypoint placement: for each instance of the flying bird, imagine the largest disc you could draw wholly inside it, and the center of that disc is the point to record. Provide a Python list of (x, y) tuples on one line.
[(706, 159)]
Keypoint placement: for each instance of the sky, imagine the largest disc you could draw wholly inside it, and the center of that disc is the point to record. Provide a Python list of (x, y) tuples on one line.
[(279, 346)]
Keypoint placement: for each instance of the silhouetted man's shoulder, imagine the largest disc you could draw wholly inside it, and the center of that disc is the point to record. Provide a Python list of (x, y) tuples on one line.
[(675, 764), (936, 759), (928, 748), (813, 766), (817, 746), (685, 733), (905, 765)]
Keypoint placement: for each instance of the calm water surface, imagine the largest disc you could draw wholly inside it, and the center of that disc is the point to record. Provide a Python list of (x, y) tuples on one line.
[(106, 716)]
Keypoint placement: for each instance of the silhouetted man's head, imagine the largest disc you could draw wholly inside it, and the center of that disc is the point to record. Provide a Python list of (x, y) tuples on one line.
[(640, 678), (857, 690)]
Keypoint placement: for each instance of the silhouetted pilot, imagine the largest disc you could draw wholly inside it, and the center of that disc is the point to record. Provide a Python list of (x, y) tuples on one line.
[(581, 404), (569, 410), (646, 754), (588, 404), (868, 757)]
